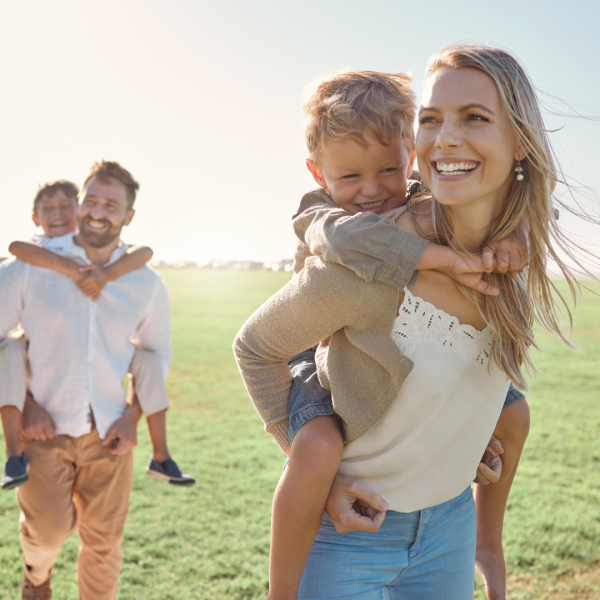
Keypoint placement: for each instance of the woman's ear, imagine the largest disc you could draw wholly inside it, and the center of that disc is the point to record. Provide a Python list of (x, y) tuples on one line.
[(316, 173)]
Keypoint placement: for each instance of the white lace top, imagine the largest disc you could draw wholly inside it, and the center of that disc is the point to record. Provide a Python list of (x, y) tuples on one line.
[(426, 448)]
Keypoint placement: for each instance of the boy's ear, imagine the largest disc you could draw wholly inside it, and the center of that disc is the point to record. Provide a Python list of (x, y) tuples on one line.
[(411, 163), (316, 173), (35, 220)]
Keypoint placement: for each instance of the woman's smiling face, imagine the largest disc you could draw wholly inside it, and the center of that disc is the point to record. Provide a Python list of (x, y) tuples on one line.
[(466, 146)]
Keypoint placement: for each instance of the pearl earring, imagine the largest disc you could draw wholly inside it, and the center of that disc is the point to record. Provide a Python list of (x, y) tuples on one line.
[(519, 171)]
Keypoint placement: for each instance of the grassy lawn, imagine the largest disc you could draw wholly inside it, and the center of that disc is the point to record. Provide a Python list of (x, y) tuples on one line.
[(211, 541)]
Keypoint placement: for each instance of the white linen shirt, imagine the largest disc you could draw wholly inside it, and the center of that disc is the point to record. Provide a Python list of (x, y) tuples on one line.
[(80, 350)]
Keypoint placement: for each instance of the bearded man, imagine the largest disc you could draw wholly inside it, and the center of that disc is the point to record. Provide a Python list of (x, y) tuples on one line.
[(79, 428)]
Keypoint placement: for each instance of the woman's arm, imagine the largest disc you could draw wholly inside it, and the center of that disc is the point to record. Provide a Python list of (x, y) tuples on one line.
[(40, 257), (322, 299)]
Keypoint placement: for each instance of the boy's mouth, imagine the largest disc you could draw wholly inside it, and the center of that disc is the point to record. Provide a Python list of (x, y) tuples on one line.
[(371, 206), (456, 168), (58, 224)]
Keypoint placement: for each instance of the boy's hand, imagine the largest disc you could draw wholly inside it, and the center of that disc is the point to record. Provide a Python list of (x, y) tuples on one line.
[(94, 279), (490, 467), (508, 255), (468, 270)]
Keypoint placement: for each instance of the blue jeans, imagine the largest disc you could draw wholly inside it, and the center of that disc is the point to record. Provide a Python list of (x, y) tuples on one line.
[(308, 399), (424, 555)]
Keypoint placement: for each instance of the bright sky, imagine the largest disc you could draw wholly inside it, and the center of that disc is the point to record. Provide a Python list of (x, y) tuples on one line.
[(201, 100)]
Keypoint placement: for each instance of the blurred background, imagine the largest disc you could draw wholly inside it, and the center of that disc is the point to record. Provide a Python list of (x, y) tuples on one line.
[(201, 101)]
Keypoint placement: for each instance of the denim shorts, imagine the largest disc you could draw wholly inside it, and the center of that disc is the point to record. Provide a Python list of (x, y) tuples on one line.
[(309, 400), (428, 554)]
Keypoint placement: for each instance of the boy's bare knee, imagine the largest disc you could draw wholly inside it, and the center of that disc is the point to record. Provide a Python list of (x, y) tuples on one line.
[(319, 437)]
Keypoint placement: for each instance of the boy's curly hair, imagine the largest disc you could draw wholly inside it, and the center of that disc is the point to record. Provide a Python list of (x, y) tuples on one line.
[(350, 104), (49, 189), (104, 170)]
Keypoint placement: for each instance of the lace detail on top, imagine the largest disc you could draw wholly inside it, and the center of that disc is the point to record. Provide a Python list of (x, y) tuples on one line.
[(420, 321)]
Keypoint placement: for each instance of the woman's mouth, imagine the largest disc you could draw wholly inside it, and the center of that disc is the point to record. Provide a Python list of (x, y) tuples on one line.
[(454, 169)]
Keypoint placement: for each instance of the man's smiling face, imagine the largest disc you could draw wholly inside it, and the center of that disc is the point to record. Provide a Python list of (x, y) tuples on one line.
[(103, 211)]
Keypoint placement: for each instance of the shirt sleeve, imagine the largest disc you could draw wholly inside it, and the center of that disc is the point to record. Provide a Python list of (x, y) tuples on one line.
[(320, 300), (13, 277), (153, 333), (372, 248)]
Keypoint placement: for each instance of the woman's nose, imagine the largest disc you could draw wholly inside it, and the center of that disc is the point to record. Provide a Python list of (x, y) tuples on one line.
[(448, 135)]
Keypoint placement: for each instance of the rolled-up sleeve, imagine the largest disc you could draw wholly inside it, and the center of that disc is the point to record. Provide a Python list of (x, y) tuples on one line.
[(374, 249)]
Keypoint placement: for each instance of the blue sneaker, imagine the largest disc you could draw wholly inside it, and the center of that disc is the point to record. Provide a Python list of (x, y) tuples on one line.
[(168, 471), (15, 472)]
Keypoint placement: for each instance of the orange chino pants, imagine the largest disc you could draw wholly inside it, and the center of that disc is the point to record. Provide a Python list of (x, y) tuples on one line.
[(75, 483)]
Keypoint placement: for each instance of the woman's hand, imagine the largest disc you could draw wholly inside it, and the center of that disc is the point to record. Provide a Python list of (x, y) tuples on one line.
[(490, 467), (353, 507)]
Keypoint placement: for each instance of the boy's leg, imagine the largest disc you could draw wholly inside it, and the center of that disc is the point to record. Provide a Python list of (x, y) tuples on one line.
[(11, 425), (490, 500), (300, 501), (152, 395), (13, 381)]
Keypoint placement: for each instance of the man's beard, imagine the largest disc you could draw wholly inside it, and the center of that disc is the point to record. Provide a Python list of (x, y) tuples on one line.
[(99, 240)]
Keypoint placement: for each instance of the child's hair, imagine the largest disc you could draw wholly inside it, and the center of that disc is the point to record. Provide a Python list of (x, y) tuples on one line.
[(350, 104), (50, 188), (105, 169), (533, 297)]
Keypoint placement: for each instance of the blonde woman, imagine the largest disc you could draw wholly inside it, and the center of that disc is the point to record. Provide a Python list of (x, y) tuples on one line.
[(484, 154)]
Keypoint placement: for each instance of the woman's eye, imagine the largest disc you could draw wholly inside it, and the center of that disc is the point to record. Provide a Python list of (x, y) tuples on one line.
[(425, 120), (476, 117)]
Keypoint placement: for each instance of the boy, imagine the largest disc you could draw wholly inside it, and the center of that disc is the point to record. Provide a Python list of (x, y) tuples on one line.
[(360, 137), (55, 211)]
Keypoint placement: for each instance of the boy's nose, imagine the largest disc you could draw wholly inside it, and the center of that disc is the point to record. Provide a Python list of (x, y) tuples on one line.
[(371, 188)]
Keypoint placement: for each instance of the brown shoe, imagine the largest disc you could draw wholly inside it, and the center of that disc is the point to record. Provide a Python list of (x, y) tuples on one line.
[(35, 592)]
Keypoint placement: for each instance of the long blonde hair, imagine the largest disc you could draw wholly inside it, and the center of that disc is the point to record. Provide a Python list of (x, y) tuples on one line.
[(533, 297)]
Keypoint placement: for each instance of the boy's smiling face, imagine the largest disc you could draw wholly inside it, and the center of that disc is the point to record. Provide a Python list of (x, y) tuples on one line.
[(56, 214), (371, 178)]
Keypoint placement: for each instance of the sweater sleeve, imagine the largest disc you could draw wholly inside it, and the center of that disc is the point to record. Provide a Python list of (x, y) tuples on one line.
[(371, 247), (320, 300)]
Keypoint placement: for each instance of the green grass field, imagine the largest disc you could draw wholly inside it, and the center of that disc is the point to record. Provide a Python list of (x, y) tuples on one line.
[(211, 541)]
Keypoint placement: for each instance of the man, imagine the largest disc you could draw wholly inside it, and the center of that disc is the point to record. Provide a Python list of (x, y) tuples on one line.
[(78, 426)]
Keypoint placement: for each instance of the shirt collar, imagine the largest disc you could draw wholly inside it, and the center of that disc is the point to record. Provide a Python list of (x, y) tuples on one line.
[(67, 246)]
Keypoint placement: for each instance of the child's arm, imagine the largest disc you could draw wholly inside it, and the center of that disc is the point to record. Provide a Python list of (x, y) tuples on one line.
[(376, 249), (97, 277), (40, 257)]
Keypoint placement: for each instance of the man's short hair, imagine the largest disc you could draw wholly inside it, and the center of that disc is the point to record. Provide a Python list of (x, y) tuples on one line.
[(350, 104), (104, 170), (49, 189)]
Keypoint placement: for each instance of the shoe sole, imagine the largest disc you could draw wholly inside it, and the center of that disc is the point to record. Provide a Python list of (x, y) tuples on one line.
[(169, 479), (15, 483)]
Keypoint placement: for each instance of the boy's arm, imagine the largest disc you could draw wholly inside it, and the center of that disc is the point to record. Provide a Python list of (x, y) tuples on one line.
[(40, 257), (372, 248), (136, 257), (97, 277)]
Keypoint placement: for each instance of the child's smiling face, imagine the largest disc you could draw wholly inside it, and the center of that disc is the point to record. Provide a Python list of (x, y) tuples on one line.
[(56, 214), (371, 178)]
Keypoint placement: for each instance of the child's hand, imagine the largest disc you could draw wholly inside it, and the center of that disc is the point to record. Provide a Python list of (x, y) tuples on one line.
[(508, 255), (93, 281), (468, 270), (490, 467)]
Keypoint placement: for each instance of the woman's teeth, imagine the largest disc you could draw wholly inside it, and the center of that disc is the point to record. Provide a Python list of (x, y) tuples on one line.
[(457, 168)]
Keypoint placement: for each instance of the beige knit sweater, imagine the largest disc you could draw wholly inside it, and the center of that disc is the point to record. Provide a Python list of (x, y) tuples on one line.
[(358, 362)]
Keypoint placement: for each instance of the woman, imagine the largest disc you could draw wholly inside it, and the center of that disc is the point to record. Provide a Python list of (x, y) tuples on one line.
[(483, 153)]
